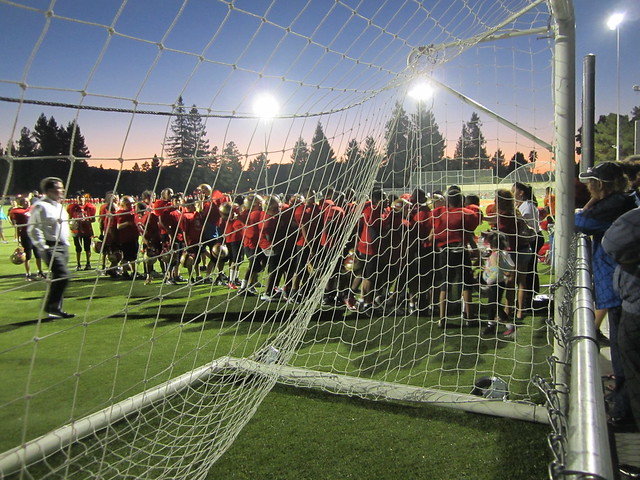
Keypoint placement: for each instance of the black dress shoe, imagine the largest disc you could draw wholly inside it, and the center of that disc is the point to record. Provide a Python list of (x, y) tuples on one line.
[(60, 314)]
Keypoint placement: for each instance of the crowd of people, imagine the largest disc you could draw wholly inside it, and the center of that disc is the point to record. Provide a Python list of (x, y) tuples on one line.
[(416, 252)]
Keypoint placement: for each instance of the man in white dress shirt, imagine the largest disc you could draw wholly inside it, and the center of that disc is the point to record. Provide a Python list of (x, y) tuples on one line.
[(48, 229)]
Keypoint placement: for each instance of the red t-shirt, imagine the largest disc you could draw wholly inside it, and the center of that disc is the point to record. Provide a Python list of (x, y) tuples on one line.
[(211, 215), (20, 217), (82, 216), (233, 230), (333, 224), (451, 225), (159, 207), (109, 223), (267, 230), (148, 226), (252, 229), (170, 222), (419, 226), (308, 218), (128, 233), (373, 225), (192, 224)]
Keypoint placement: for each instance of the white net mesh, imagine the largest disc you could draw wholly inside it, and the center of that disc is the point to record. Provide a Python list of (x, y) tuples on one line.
[(170, 97)]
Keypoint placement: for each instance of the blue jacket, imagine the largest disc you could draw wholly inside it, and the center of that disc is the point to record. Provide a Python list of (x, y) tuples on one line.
[(595, 221)]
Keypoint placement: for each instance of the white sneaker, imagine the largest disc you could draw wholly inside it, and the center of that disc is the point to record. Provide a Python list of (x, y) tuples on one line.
[(265, 298)]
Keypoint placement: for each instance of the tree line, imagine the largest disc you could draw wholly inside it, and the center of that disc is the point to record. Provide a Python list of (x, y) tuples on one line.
[(411, 142)]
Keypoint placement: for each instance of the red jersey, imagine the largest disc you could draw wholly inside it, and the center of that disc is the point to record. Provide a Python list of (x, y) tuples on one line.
[(211, 216), (452, 225), (192, 225), (267, 230), (233, 230), (333, 222), (252, 229), (127, 228), (308, 217), (170, 222), (419, 225), (20, 217), (108, 222), (148, 227), (159, 207), (373, 225), (81, 217)]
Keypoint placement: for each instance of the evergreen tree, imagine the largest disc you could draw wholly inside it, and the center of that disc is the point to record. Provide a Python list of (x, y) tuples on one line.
[(471, 147), (146, 166), (136, 167), (155, 162), (395, 170), (26, 147), (47, 136), (72, 134), (352, 154), (299, 157), (230, 168), (427, 142), (188, 140), (605, 140), (321, 157), (499, 165)]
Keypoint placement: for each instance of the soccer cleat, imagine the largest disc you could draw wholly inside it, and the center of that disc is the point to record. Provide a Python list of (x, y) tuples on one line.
[(88, 267), (490, 329), (265, 298), (232, 286), (509, 332), (79, 268)]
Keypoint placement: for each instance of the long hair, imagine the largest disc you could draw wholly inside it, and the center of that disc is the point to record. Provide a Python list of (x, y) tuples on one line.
[(504, 202)]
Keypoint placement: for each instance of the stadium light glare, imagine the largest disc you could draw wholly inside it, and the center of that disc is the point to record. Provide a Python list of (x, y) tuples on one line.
[(421, 91), (265, 106), (615, 20)]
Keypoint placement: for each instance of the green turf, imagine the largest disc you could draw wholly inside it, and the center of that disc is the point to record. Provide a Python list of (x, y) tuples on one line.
[(69, 368)]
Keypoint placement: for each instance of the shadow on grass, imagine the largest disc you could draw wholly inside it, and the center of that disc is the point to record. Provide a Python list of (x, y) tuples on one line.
[(25, 323)]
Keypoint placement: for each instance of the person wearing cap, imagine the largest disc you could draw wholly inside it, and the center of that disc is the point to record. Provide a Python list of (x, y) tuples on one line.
[(607, 185)]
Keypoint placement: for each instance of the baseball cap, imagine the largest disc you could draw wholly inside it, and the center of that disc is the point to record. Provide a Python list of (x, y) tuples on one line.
[(605, 172)]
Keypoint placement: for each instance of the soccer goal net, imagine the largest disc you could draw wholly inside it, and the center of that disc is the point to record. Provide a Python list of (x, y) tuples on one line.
[(272, 191)]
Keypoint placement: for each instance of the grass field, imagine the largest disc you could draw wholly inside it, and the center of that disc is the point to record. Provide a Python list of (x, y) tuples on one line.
[(60, 370)]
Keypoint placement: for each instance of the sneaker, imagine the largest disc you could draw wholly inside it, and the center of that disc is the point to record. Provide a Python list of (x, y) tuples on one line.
[(28, 277), (88, 267), (365, 308), (147, 281), (231, 285), (509, 332), (79, 268), (170, 281), (179, 278), (265, 298), (248, 292), (351, 304)]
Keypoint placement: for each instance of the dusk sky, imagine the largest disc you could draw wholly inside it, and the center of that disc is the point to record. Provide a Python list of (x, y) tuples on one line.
[(341, 63)]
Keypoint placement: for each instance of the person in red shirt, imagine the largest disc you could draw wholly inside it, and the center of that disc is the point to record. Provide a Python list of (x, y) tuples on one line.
[(127, 236), (308, 217), (210, 211), (452, 232), (374, 225), (108, 230), (81, 218), (172, 238), (251, 235), (19, 216), (272, 253), (192, 225), (420, 256), (233, 229)]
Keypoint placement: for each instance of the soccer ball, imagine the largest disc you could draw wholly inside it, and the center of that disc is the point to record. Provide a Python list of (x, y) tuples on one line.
[(18, 257), (220, 250)]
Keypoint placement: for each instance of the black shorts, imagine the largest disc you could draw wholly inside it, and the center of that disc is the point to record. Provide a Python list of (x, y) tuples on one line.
[(129, 251), (25, 241), (236, 252), (453, 267), (82, 242)]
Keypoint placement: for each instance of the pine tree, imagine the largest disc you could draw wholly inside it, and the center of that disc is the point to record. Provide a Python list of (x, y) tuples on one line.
[(322, 158), (69, 134), (299, 157), (605, 140), (26, 147), (188, 141), (146, 166), (471, 147), (136, 167), (47, 136), (155, 162), (427, 142), (230, 167), (395, 171), (499, 167)]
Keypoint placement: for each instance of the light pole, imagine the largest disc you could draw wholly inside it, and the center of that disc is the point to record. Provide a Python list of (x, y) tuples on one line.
[(266, 108), (614, 24)]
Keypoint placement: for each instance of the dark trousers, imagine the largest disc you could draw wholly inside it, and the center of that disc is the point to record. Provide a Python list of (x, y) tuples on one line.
[(629, 348), (57, 258)]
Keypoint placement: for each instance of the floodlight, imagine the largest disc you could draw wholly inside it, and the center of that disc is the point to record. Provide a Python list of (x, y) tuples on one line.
[(421, 91), (615, 20), (265, 106)]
